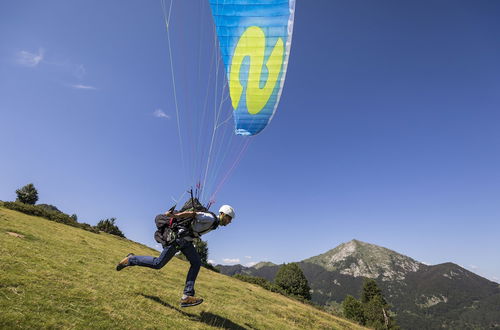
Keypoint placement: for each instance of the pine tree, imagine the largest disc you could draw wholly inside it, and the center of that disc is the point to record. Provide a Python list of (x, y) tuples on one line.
[(27, 194), (376, 309), (370, 290), (292, 280)]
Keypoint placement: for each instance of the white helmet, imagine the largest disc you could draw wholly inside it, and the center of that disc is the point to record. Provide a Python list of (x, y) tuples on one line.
[(226, 209)]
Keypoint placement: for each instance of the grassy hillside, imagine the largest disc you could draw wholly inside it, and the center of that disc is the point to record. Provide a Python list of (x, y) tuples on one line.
[(56, 276)]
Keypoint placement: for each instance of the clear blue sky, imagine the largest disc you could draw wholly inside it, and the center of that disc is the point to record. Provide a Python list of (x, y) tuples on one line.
[(388, 130)]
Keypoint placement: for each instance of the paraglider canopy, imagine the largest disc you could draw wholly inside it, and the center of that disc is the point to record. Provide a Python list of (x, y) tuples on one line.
[(254, 38), (248, 58)]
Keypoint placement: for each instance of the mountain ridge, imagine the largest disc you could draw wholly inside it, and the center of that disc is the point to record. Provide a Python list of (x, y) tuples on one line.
[(423, 296), (358, 258)]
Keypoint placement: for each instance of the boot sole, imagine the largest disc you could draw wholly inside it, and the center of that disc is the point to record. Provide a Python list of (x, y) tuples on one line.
[(192, 304), (120, 266)]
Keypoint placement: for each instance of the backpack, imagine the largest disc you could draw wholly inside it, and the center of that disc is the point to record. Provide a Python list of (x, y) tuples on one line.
[(169, 229), (165, 235), (193, 204)]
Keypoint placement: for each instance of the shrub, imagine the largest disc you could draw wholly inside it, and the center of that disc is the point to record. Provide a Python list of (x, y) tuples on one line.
[(108, 226), (38, 211), (262, 282), (44, 212), (211, 267), (352, 309), (48, 207), (254, 280), (88, 227)]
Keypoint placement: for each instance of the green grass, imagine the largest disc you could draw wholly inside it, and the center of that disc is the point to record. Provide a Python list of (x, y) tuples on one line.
[(61, 277)]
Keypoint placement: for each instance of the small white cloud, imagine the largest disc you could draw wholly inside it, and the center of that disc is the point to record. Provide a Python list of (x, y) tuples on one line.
[(80, 86), (495, 279), (248, 257), (250, 264), (231, 261), (160, 114), (28, 59), (212, 262)]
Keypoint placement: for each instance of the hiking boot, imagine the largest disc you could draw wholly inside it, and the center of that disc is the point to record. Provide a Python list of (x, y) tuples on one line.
[(124, 263), (190, 301)]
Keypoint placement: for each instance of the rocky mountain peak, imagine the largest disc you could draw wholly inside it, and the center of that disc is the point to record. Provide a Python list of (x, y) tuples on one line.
[(357, 258)]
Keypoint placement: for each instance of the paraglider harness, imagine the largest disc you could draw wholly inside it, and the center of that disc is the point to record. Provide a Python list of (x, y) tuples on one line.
[(169, 229)]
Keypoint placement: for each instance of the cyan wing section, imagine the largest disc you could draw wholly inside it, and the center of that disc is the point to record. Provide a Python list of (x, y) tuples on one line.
[(254, 39)]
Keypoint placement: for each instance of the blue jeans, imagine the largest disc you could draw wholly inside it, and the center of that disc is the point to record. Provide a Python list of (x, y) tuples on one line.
[(187, 248)]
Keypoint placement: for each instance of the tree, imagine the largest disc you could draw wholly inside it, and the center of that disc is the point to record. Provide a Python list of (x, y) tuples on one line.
[(291, 279), (27, 194), (108, 226), (352, 309), (202, 249), (376, 313), (370, 290), (376, 308)]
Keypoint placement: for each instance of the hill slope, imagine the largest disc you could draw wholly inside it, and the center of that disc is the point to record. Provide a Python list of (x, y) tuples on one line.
[(57, 276)]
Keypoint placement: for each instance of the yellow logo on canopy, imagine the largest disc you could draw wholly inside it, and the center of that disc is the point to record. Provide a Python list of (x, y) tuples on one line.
[(252, 43)]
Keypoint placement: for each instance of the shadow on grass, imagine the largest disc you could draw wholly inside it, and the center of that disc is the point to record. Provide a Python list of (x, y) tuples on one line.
[(211, 319)]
